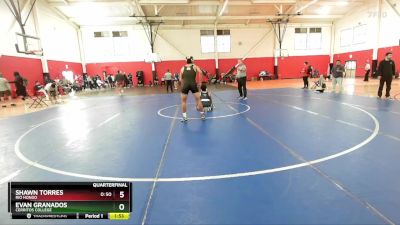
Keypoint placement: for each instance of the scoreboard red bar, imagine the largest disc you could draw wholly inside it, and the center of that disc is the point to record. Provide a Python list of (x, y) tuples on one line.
[(72, 195)]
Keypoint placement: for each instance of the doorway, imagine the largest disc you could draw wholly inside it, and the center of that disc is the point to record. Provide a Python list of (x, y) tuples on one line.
[(350, 68)]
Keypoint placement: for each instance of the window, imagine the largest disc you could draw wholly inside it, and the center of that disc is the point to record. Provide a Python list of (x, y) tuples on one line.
[(314, 40), (300, 38), (360, 34), (208, 43), (353, 36), (300, 30), (120, 34), (308, 38), (114, 43), (223, 32), (315, 30), (223, 41), (346, 37), (100, 34)]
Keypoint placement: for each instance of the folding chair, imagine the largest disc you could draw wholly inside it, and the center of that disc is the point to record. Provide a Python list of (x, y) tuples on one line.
[(38, 100)]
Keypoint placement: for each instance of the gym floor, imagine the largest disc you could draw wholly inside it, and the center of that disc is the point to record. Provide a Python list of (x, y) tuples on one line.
[(284, 156)]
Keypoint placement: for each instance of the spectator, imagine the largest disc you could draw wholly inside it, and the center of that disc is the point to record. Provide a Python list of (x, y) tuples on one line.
[(126, 80), (52, 91), (338, 74), (120, 82), (306, 72), (367, 70), (5, 90), (386, 73), (100, 83), (104, 75), (20, 85), (176, 81), (168, 80), (110, 81), (130, 79), (94, 82), (39, 88), (320, 85), (241, 77)]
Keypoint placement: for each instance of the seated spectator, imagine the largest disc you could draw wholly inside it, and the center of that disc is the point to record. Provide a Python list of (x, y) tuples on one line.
[(100, 83), (320, 85), (39, 88), (52, 91)]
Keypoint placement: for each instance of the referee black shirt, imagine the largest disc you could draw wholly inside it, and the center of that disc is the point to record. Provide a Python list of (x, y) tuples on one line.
[(387, 68)]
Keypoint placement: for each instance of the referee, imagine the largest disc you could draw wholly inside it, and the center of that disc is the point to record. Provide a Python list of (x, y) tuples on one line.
[(386, 73)]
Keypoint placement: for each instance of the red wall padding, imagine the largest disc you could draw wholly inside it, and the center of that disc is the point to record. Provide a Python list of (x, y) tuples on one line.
[(396, 55), (291, 67), (175, 66), (360, 56), (29, 68), (57, 67), (254, 65), (127, 67)]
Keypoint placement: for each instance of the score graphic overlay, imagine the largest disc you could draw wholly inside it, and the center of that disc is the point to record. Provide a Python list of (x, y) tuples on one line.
[(70, 200)]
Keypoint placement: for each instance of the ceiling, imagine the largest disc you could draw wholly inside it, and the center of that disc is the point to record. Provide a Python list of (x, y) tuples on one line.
[(200, 12)]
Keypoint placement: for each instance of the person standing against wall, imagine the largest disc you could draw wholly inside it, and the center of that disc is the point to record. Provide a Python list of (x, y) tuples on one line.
[(386, 73), (338, 74), (367, 70), (168, 80), (20, 85), (130, 79), (305, 74), (5, 90), (120, 82), (241, 77)]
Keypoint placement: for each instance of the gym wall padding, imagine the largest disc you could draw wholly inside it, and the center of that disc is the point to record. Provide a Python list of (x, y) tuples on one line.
[(254, 65), (128, 67), (29, 68), (57, 67), (175, 65), (396, 54), (360, 56), (291, 66)]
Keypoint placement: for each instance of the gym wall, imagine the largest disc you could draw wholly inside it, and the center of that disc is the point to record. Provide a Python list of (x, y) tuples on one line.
[(173, 45), (389, 34), (61, 46), (59, 41)]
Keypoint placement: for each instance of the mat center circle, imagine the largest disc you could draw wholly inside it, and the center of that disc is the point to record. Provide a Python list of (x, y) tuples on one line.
[(243, 108)]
